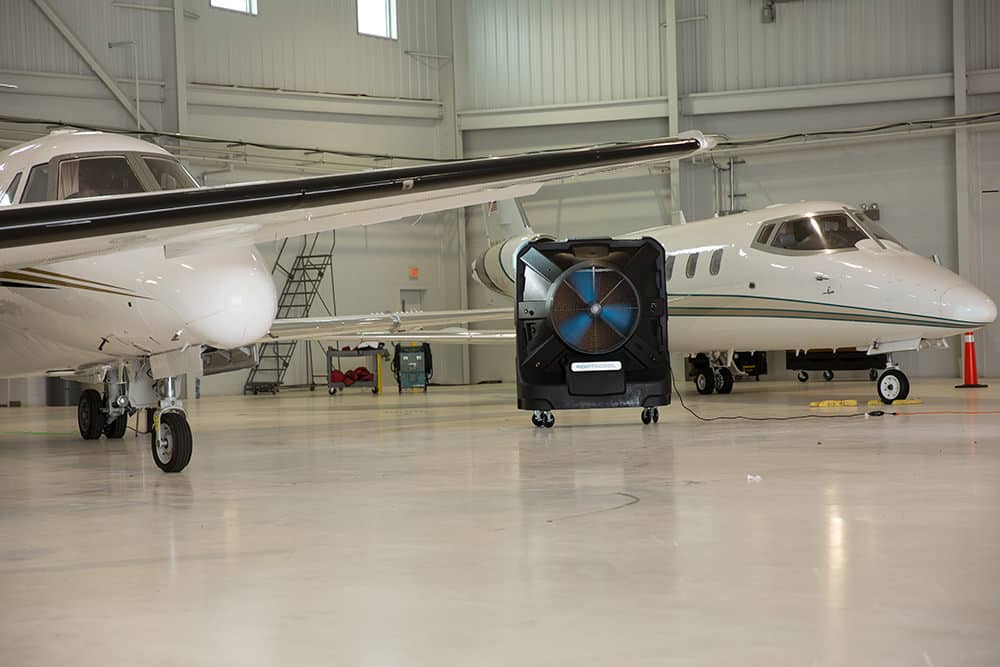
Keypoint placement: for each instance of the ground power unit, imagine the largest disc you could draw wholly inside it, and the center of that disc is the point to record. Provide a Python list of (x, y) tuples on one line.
[(591, 327)]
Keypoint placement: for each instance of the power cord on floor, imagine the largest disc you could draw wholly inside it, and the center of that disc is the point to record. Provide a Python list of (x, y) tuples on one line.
[(869, 413)]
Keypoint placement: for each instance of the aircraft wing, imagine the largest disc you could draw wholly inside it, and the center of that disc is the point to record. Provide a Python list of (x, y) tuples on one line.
[(188, 221), (382, 326)]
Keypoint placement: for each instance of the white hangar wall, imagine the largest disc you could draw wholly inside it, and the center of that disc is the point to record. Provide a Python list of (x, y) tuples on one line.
[(528, 74), (527, 83)]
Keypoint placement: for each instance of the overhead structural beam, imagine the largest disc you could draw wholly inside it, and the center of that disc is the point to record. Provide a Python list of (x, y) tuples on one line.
[(88, 57)]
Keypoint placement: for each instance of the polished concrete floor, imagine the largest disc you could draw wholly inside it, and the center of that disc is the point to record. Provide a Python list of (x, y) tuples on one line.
[(443, 529)]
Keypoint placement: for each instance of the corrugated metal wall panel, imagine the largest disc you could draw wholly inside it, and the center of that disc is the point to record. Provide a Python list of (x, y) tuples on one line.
[(28, 42), (544, 52), (812, 41), (313, 45), (982, 34)]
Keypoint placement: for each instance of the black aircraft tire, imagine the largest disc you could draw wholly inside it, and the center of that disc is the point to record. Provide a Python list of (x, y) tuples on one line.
[(115, 430), (89, 417), (704, 382), (178, 453), (893, 385), (724, 381)]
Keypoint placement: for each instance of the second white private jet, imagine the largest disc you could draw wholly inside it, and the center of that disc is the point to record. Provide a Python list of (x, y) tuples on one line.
[(808, 275)]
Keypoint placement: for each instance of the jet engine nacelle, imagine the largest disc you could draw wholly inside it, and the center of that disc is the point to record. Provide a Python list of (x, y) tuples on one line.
[(495, 268)]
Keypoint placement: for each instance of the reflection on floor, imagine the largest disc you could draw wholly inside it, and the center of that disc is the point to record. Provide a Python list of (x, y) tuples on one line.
[(443, 529)]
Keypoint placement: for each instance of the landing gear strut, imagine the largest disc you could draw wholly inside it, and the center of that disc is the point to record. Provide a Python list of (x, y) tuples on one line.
[(131, 388)]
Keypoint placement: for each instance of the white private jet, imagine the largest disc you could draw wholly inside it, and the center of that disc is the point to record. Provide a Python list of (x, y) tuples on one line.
[(810, 275), (116, 268)]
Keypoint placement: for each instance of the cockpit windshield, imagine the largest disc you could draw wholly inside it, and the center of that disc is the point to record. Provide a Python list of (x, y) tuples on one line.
[(874, 229), (824, 231)]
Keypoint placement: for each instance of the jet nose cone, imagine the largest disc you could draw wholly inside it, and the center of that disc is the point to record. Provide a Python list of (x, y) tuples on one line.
[(968, 304)]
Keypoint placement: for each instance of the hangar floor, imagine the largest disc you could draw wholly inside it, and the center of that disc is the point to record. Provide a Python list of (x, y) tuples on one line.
[(443, 529)]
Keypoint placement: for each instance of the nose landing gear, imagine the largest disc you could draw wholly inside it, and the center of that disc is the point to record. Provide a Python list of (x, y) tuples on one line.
[(893, 385), (131, 388)]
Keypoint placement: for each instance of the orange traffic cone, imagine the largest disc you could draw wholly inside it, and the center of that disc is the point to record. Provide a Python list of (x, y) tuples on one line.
[(971, 374)]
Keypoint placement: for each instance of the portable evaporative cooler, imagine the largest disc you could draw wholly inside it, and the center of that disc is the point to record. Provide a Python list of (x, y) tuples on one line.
[(591, 326)]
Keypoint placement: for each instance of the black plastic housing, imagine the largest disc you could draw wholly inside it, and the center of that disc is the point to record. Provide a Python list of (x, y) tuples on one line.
[(545, 379)]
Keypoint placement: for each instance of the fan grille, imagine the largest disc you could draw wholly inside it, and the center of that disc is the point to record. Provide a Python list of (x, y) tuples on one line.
[(594, 308)]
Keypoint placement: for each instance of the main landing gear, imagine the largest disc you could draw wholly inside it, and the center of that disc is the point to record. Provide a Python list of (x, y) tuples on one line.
[(718, 379), (127, 390)]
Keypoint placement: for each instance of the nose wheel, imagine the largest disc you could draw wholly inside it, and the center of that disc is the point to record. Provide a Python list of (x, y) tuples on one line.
[(172, 442), (893, 385)]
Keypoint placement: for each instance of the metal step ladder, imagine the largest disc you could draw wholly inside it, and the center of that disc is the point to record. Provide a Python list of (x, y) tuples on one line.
[(301, 287)]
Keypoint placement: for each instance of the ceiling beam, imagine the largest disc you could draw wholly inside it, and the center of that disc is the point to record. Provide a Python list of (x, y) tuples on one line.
[(92, 63)]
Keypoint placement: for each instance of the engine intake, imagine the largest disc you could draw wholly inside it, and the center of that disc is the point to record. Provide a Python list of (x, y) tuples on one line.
[(495, 268)]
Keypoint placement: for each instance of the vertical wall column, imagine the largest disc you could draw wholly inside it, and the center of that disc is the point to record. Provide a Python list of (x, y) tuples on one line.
[(668, 50), (966, 225), (450, 142)]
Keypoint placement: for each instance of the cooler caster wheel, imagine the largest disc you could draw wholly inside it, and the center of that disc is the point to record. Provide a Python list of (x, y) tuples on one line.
[(656, 415), (536, 418), (827, 375), (332, 391), (647, 415), (802, 376), (548, 419)]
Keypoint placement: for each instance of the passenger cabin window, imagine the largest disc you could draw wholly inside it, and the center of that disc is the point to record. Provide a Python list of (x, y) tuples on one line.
[(692, 265), (829, 231), (670, 266), (7, 197), (169, 174), (716, 262), (765, 233), (37, 188), (96, 176)]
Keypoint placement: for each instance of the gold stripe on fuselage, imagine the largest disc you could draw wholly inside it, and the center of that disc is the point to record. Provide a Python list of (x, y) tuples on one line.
[(29, 278), (63, 276)]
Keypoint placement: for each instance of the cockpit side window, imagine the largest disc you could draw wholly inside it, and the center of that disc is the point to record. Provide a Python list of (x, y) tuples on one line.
[(874, 229), (169, 174), (827, 231), (671, 259), (96, 176), (37, 188), (765, 233), (7, 197)]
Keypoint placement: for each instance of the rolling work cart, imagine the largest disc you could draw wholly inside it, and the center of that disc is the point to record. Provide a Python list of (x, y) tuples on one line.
[(374, 360)]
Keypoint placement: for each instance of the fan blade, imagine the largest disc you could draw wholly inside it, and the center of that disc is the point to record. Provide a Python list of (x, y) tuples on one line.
[(620, 316), (575, 328), (584, 283)]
